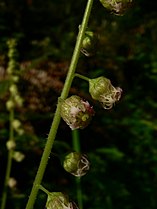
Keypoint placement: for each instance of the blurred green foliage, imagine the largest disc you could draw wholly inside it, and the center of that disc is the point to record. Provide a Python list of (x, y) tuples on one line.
[(121, 143)]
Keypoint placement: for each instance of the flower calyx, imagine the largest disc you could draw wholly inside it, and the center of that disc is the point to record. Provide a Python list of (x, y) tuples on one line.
[(76, 163), (102, 90), (58, 200), (117, 7), (89, 43), (76, 112)]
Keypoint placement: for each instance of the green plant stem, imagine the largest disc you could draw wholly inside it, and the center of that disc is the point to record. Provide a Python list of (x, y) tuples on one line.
[(82, 77), (9, 162), (77, 148), (44, 190), (57, 117)]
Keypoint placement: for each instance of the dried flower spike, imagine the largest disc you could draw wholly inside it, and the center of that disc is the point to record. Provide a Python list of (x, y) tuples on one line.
[(117, 7), (102, 90), (76, 112), (76, 163), (58, 200)]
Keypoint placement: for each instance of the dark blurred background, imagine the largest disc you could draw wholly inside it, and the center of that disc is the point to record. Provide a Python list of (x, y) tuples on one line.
[(121, 143)]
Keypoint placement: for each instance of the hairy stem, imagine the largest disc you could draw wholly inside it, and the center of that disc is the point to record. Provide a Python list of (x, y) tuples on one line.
[(57, 117)]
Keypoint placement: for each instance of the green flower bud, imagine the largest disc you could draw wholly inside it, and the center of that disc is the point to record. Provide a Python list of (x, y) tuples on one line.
[(76, 163), (12, 182), (10, 105), (12, 64), (117, 7), (15, 78), (18, 156), (89, 43), (10, 144), (13, 89), (58, 200), (102, 90), (18, 100), (10, 70), (16, 124), (20, 131), (76, 112)]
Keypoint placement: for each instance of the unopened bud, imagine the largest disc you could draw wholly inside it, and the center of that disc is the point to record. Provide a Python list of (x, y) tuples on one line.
[(102, 90), (20, 131), (18, 156), (10, 144), (76, 163), (10, 105), (13, 89), (76, 112), (89, 43), (58, 200), (117, 7), (18, 99), (16, 124), (15, 78), (12, 182)]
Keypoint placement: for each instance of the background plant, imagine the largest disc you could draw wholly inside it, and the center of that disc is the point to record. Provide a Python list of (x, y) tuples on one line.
[(127, 54)]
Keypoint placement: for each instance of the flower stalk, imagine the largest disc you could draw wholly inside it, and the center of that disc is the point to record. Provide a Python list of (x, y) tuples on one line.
[(77, 148), (82, 77), (57, 117)]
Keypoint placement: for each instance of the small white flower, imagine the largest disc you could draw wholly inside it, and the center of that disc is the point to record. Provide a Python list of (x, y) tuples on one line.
[(76, 112), (102, 90), (10, 144), (16, 124), (10, 104), (18, 156), (18, 100), (20, 131), (13, 89), (12, 182)]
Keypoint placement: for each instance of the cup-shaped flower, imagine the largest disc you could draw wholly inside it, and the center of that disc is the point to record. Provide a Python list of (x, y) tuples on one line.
[(10, 104), (18, 156), (76, 112), (16, 124), (12, 182), (10, 144), (117, 7), (102, 90), (89, 43), (58, 200), (76, 163)]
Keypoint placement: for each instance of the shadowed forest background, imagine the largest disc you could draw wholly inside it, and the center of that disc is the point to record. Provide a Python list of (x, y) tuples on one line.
[(122, 142)]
